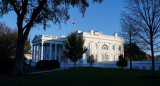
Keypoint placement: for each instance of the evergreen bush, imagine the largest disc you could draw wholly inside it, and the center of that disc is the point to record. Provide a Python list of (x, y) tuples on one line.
[(91, 60), (122, 62)]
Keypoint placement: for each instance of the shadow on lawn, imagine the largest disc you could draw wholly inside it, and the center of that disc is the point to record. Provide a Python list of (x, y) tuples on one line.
[(150, 77)]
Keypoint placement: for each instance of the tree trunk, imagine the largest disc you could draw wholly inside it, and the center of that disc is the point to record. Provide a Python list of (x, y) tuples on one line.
[(130, 63), (153, 64), (75, 64), (130, 41), (152, 52), (18, 68)]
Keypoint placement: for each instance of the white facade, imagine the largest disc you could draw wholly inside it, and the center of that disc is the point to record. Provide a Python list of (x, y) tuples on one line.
[(103, 47)]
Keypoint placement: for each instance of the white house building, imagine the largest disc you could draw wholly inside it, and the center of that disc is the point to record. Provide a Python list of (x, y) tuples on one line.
[(103, 47)]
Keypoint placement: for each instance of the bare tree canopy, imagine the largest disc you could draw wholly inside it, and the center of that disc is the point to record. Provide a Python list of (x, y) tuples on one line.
[(128, 30), (129, 33), (145, 14)]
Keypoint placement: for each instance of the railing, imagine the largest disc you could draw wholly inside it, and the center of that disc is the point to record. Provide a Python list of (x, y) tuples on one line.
[(52, 37)]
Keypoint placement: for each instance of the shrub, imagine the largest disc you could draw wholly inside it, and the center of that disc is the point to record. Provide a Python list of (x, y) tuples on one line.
[(144, 68), (47, 64), (6, 66), (137, 67), (151, 68), (122, 62), (91, 60), (43, 64), (55, 63)]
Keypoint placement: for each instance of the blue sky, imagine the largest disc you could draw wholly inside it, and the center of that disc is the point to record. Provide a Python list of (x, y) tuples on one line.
[(103, 17)]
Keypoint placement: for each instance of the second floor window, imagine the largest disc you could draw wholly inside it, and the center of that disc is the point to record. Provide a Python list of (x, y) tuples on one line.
[(113, 47), (119, 48)]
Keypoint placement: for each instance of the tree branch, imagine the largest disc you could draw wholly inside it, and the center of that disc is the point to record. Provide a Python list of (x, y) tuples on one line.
[(33, 17), (12, 2)]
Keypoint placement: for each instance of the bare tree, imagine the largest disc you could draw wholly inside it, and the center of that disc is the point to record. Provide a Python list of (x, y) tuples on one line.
[(33, 12), (128, 32), (145, 14)]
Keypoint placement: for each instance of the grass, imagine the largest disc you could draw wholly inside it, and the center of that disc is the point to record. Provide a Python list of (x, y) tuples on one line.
[(84, 76)]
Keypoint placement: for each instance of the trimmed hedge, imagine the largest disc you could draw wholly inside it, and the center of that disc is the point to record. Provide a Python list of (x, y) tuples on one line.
[(47, 64), (55, 63)]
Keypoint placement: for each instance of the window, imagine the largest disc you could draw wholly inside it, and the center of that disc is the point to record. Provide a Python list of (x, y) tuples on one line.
[(102, 56), (114, 58), (104, 47), (88, 45), (105, 57), (95, 57), (113, 47), (96, 46), (119, 48)]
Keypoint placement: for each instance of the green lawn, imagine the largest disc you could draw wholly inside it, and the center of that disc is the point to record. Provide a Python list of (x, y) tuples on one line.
[(84, 77)]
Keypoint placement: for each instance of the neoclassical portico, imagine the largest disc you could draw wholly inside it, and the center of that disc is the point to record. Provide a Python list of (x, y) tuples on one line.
[(47, 48), (103, 47)]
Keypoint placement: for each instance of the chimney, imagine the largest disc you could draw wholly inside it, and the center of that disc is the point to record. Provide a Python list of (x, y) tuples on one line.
[(91, 31), (79, 31), (115, 34)]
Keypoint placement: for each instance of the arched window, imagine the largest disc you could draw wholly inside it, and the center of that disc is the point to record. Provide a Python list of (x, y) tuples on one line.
[(104, 47)]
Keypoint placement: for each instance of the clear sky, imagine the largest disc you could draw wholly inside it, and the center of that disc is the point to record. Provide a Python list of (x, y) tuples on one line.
[(103, 17)]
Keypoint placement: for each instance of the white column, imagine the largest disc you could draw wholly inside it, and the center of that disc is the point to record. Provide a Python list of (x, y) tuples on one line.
[(35, 53), (32, 53), (63, 47), (59, 54), (91, 48), (55, 51), (41, 52), (116, 53), (99, 53), (109, 49), (38, 52), (50, 52)]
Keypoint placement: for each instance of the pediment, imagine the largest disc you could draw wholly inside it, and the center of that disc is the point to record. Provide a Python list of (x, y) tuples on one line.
[(36, 38)]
